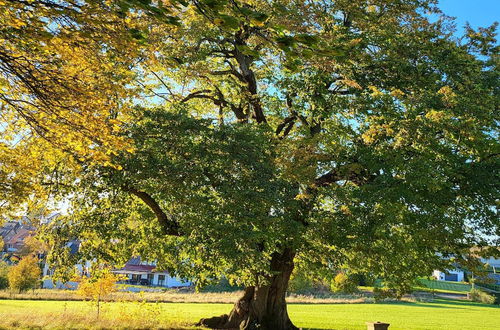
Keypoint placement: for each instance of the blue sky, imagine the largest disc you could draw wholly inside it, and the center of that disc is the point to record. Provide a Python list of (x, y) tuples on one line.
[(476, 12)]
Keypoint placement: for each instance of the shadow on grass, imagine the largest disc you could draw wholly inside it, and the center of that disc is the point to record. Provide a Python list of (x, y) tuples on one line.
[(430, 304), (443, 303), (454, 302)]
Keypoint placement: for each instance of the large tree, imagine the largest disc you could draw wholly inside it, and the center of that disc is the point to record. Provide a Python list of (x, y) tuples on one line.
[(346, 134)]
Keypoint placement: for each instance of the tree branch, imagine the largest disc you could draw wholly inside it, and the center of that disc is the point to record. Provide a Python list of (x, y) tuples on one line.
[(200, 95), (169, 226), (244, 63), (344, 173), (286, 121)]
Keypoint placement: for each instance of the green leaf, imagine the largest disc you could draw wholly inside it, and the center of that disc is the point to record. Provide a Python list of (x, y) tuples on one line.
[(285, 43), (248, 51), (174, 20), (307, 39), (335, 52), (229, 22), (293, 64), (215, 5), (137, 34)]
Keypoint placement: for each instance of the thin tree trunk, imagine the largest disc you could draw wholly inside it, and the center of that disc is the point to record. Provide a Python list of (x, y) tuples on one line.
[(98, 305), (261, 307)]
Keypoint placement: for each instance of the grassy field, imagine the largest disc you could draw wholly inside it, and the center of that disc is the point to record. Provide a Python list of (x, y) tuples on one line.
[(439, 314), (444, 286), (434, 286)]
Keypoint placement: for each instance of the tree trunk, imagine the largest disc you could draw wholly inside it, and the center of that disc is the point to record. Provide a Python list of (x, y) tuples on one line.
[(261, 307), (98, 306)]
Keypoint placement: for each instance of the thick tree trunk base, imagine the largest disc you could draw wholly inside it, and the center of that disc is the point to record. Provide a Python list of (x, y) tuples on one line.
[(261, 307), (250, 313)]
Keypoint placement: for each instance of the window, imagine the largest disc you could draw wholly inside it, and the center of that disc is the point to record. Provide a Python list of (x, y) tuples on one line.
[(451, 277), (161, 280), (150, 278)]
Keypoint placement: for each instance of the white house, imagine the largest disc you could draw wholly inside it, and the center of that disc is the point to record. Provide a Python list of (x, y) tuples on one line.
[(136, 272), (141, 273), (458, 275), (454, 275)]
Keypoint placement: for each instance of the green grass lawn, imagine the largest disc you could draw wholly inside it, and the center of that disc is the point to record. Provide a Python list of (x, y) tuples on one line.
[(444, 286), (441, 314), (434, 286)]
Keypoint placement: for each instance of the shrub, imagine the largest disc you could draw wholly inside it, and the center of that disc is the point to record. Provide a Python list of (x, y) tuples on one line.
[(393, 287), (4, 271), (98, 286), (342, 283), (25, 275), (381, 293), (364, 279), (300, 283), (481, 296), (222, 286)]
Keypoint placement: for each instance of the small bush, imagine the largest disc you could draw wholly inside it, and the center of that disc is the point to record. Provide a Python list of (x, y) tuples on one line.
[(300, 283), (481, 296), (384, 293), (304, 283), (222, 286), (100, 285), (342, 283), (4, 271)]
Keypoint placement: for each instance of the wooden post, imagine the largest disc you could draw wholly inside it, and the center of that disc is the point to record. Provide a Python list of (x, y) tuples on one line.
[(377, 325)]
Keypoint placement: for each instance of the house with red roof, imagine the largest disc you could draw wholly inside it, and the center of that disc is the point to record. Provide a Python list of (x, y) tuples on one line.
[(16, 242), (13, 234), (141, 273), (135, 270)]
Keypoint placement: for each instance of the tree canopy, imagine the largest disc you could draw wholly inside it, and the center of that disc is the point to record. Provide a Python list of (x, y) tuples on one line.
[(234, 138), (25, 275)]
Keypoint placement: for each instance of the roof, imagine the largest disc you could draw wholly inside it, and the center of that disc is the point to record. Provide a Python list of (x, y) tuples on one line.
[(134, 261), (11, 224), (74, 246), (9, 229), (138, 268), (19, 237)]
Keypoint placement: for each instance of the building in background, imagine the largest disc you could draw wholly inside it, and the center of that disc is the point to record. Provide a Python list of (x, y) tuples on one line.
[(13, 235), (136, 271), (461, 274), (453, 275), (143, 273)]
